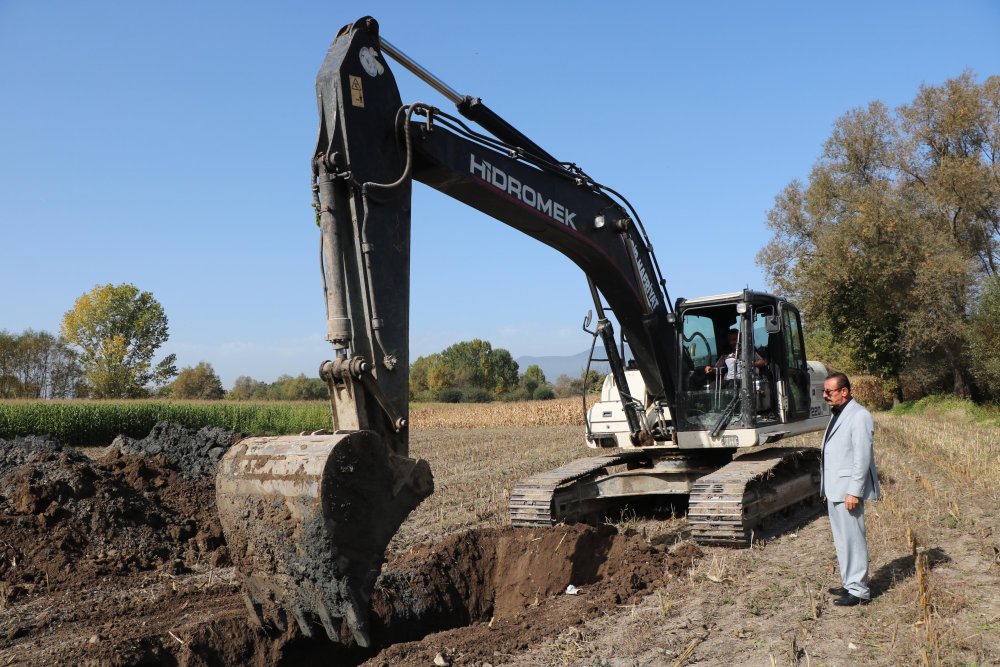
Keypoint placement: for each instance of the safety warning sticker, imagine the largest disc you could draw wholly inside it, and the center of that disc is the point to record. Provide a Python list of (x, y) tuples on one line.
[(357, 97)]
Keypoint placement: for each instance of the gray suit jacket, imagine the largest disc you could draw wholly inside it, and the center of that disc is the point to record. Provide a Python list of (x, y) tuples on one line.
[(849, 456)]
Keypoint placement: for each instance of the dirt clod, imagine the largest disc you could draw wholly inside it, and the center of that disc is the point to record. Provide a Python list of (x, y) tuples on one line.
[(193, 453)]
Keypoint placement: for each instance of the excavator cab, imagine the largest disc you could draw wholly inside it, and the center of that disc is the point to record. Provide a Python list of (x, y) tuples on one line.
[(744, 378)]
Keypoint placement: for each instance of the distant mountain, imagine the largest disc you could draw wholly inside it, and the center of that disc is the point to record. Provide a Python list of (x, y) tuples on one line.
[(572, 365)]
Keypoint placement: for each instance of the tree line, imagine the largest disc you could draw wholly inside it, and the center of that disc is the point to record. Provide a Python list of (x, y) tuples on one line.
[(37, 364), (104, 349), (476, 372), (891, 248), (108, 339)]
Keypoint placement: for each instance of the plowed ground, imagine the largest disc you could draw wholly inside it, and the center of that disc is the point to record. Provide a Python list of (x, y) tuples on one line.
[(119, 561)]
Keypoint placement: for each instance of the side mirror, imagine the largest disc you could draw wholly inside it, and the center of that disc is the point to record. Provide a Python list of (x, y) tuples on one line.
[(586, 322), (772, 321)]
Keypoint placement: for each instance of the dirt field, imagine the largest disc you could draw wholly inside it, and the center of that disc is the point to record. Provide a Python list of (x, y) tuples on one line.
[(119, 560)]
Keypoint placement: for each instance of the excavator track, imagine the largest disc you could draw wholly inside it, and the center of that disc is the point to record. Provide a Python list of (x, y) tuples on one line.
[(729, 506), (532, 500)]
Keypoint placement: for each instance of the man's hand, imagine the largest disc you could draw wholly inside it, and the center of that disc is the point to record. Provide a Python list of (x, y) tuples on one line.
[(850, 502)]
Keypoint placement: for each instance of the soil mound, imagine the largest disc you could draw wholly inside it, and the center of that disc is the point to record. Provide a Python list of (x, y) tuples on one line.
[(65, 519), (194, 453)]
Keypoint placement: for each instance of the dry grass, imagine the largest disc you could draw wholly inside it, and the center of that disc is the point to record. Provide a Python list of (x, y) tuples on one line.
[(935, 602), (474, 470), (557, 412), (938, 521)]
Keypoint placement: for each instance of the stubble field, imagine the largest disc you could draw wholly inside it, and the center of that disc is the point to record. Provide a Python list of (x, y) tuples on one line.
[(491, 595)]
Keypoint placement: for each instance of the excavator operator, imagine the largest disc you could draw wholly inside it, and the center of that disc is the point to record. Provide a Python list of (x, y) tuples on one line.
[(729, 364)]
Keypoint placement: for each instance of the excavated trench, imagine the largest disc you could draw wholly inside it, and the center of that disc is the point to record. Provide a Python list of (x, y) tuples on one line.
[(494, 590), (145, 510)]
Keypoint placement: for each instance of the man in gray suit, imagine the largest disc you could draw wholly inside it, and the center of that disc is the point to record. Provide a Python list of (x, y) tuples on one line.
[(848, 479)]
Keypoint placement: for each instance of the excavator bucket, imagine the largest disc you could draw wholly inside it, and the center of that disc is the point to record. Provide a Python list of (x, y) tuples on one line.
[(307, 520)]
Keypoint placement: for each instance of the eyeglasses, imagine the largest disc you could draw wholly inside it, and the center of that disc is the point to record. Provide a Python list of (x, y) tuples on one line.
[(828, 392)]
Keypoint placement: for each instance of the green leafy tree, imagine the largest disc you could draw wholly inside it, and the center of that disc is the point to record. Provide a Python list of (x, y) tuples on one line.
[(464, 366), (592, 381), (298, 388), (285, 388), (36, 364), (119, 329), (532, 379), (503, 372), (430, 375), (476, 364), (246, 388), (196, 382), (822, 346), (984, 332), (883, 247), (543, 393)]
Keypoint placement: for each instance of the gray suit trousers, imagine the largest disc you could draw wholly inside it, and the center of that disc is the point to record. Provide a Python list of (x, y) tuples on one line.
[(852, 547)]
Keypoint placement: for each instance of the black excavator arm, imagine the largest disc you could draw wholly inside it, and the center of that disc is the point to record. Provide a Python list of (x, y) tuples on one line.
[(371, 147), (308, 518)]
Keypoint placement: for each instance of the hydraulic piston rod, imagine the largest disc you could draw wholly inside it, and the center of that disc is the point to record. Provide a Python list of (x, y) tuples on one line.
[(425, 76), (469, 106)]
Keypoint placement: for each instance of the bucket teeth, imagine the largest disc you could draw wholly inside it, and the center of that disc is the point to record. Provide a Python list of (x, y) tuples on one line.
[(308, 518)]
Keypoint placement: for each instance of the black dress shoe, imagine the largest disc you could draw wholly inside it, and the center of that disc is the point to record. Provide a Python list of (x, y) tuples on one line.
[(840, 590), (849, 601)]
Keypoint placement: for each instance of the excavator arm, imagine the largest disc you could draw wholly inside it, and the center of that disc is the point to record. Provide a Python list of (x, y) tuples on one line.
[(308, 518), (371, 147)]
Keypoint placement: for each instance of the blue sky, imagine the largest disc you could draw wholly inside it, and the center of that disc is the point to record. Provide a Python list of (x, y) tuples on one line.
[(167, 144)]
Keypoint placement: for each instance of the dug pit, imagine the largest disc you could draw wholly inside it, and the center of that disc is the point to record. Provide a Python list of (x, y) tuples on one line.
[(145, 524), (473, 596)]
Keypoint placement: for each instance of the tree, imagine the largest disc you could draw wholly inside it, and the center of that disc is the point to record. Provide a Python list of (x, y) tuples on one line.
[(476, 364), (502, 372), (119, 329), (196, 382), (430, 374), (36, 364), (899, 221), (532, 379), (566, 386), (984, 332), (299, 388), (246, 388), (285, 388), (465, 365), (543, 393)]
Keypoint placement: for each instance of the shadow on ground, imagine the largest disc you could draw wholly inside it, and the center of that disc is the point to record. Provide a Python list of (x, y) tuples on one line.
[(904, 567)]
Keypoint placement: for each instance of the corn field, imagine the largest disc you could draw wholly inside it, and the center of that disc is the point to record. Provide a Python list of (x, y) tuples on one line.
[(96, 423), (556, 412)]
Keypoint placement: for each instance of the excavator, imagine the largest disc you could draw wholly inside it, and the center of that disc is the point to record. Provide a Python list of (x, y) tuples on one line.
[(698, 391)]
